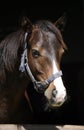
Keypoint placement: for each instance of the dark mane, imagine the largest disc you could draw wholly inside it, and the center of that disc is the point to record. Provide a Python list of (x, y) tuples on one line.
[(9, 49), (47, 26)]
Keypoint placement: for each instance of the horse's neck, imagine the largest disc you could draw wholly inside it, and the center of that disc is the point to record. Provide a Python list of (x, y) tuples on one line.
[(11, 93)]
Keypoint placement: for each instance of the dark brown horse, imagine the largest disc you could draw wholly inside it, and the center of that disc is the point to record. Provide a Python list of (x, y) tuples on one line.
[(32, 53)]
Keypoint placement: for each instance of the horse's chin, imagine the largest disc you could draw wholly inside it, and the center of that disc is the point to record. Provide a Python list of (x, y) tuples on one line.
[(50, 104), (55, 105)]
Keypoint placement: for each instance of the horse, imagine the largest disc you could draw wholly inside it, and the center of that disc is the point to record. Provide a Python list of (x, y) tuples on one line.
[(32, 53)]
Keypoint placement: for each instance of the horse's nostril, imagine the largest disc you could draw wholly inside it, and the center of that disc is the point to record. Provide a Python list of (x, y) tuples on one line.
[(54, 92)]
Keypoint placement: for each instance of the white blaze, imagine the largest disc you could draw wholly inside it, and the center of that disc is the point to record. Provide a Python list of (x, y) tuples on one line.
[(58, 83)]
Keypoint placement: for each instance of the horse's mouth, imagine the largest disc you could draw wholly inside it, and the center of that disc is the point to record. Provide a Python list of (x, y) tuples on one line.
[(54, 105)]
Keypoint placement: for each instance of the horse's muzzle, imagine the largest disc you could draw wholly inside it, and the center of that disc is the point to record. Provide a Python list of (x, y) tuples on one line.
[(57, 101)]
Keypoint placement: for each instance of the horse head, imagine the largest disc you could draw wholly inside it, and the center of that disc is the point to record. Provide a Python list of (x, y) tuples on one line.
[(44, 49)]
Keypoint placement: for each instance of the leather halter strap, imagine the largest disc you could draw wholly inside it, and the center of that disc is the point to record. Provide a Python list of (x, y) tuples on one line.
[(40, 86)]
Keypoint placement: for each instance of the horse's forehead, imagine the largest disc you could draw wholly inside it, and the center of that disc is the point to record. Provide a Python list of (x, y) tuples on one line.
[(36, 37), (42, 38)]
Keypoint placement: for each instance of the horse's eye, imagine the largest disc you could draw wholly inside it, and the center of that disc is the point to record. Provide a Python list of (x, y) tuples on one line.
[(35, 53)]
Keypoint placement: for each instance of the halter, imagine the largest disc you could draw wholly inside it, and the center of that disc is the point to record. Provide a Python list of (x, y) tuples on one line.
[(40, 86)]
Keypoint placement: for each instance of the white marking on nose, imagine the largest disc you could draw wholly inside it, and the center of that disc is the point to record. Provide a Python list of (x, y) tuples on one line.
[(61, 91)]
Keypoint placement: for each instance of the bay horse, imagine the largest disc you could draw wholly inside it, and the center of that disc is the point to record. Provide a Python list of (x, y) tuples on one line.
[(32, 53)]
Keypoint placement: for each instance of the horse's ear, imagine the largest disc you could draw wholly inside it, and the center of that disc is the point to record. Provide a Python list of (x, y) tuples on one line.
[(26, 24), (61, 22)]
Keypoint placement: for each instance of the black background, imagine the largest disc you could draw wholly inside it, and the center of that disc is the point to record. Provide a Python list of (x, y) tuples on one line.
[(73, 60)]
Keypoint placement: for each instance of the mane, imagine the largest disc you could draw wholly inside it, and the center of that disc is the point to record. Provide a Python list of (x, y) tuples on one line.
[(10, 49), (50, 27)]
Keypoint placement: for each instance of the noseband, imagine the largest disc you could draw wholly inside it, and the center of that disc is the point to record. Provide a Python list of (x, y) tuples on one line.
[(40, 86)]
